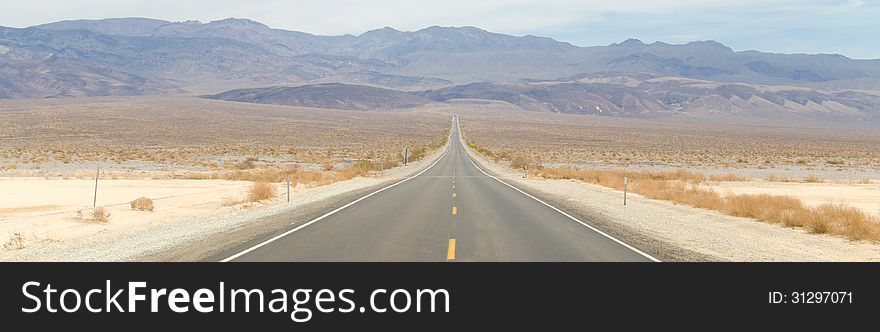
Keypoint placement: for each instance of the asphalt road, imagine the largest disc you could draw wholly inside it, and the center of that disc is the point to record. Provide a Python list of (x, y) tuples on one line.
[(451, 211)]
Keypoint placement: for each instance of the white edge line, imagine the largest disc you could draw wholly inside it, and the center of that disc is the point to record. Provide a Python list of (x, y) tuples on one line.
[(565, 214), (257, 246)]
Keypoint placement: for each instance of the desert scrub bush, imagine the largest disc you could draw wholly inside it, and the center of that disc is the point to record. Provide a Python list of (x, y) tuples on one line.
[(327, 164), (679, 187), (774, 178), (10, 166), (142, 204), (260, 191), (247, 164), (730, 177), (386, 164), (366, 165), (276, 175), (100, 214), (15, 242), (812, 179)]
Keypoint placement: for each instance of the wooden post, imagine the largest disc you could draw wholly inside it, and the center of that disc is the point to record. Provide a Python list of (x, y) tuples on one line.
[(288, 188), (95, 199), (624, 190)]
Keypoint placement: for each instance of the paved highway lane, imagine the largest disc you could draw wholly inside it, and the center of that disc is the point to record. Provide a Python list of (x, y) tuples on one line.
[(451, 211)]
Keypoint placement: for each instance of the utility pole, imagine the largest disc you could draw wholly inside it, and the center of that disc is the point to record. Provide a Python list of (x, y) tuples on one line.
[(624, 190), (95, 199)]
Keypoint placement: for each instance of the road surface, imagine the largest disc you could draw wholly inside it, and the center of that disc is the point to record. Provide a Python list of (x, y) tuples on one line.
[(451, 211)]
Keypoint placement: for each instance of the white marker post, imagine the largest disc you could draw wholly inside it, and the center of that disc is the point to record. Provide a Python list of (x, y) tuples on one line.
[(624, 190), (288, 188)]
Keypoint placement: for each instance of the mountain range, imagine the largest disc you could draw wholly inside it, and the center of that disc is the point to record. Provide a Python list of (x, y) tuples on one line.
[(136, 56)]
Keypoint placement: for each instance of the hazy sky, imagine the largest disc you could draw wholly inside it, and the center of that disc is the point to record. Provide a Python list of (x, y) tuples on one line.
[(848, 27)]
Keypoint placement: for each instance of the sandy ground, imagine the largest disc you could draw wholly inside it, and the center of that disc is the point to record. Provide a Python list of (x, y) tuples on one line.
[(44, 212), (47, 210), (663, 228), (862, 196)]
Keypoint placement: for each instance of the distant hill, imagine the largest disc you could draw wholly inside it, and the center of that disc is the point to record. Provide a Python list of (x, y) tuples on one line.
[(641, 96), (130, 56), (331, 95)]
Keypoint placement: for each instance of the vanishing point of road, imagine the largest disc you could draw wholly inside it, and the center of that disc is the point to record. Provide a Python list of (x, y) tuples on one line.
[(450, 211)]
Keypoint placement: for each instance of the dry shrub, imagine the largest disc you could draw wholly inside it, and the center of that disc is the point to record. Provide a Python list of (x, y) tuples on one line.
[(276, 175), (764, 207), (361, 168), (679, 187), (727, 177), (247, 164), (261, 191), (100, 214), (10, 166), (15, 242), (518, 163), (614, 178), (774, 178), (812, 179), (328, 165), (386, 164), (142, 204)]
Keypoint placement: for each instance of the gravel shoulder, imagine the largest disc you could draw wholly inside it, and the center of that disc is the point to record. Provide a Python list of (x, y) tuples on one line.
[(199, 237), (673, 232)]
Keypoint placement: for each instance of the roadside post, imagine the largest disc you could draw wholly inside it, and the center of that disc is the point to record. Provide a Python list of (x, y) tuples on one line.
[(406, 155), (288, 188), (526, 171), (624, 189), (95, 199)]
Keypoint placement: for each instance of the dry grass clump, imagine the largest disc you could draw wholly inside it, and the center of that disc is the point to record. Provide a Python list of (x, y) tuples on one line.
[(728, 177), (10, 166), (812, 179), (15, 242), (260, 191), (142, 204), (774, 178), (682, 187), (614, 178), (101, 214), (275, 175)]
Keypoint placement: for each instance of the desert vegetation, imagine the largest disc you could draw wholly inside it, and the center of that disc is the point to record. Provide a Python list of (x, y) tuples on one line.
[(15, 242), (142, 204), (100, 214), (559, 140), (189, 135), (683, 187), (261, 191), (554, 146)]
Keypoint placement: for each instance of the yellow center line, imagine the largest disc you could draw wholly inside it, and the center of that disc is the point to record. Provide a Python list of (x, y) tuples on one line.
[(454, 210), (450, 254), (453, 194)]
